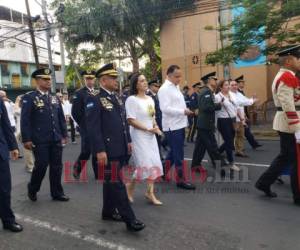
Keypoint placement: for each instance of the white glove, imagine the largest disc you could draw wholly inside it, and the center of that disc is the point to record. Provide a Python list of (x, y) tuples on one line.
[(297, 135)]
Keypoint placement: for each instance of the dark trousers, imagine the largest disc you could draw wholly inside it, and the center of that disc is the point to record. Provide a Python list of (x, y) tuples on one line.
[(250, 137), (47, 154), (114, 191), (72, 127), (206, 141), (286, 157), (84, 156), (225, 127), (175, 141), (6, 214), (192, 129)]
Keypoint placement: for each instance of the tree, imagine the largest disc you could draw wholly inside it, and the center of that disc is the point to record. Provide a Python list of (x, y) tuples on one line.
[(266, 21), (128, 28)]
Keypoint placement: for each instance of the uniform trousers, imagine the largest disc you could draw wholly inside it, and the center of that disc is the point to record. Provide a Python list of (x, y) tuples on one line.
[(47, 154), (286, 157), (6, 213), (250, 137), (84, 156), (192, 129), (114, 190), (206, 141)]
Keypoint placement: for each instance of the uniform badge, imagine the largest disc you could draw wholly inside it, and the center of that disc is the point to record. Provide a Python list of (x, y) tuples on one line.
[(106, 104), (47, 71), (90, 105), (38, 102), (94, 92)]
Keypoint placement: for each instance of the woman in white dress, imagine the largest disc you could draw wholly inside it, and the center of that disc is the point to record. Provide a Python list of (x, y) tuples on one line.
[(140, 111)]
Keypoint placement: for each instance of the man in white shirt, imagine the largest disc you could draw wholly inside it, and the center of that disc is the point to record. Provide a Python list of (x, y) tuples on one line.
[(174, 121), (67, 107), (241, 101), (10, 109)]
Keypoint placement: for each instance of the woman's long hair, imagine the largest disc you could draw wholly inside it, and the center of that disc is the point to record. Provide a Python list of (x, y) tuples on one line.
[(133, 83), (220, 85)]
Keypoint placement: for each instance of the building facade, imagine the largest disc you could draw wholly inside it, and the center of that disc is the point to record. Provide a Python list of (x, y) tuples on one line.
[(188, 37), (16, 54)]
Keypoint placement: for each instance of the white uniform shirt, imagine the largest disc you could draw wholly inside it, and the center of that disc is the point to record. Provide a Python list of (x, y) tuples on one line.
[(67, 107), (172, 105), (241, 101), (10, 111)]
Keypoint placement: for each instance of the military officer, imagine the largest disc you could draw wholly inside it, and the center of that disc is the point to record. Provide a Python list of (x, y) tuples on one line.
[(110, 141), (44, 130), (206, 122), (78, 113), (248, 134), (286, 95), (194, 107), (7, 143), (154, 86)]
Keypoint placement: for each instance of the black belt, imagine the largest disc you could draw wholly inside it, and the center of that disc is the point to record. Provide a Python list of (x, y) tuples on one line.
[(280, 108)]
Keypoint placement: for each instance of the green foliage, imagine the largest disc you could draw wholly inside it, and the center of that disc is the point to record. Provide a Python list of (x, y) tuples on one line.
[(129, 26), (263, 20)]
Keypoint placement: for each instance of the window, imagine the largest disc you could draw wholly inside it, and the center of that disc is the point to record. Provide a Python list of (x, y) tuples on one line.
[(4, 69), (24, 69)]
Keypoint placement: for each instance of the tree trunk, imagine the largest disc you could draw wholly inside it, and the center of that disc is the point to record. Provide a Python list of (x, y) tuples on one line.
[(135, 64), (134, 58), (154, 63)]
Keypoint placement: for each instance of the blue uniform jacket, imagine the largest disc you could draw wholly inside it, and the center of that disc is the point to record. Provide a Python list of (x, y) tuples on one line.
[(42, 118), (194, 101), (78, 108), (7, 137), (106, 125)]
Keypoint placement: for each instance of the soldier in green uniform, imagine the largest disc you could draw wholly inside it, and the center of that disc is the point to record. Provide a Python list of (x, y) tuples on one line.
[(206, 140)]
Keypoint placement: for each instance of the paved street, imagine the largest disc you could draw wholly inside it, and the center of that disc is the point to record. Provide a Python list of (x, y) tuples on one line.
[(219, 216)]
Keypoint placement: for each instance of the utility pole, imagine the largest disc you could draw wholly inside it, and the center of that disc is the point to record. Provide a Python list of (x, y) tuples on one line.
[(36, 58), (48, 27), (62, 55)]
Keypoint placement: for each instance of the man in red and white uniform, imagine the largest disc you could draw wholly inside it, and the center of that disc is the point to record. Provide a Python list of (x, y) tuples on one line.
[(286, 95)]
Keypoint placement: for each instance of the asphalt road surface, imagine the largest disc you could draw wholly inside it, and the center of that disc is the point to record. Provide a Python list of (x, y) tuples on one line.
[(219, 215)]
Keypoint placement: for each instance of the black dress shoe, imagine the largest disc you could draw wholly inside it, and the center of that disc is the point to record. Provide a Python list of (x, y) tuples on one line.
[(61, 198), (266, 190), (113, 217), (13, 227), (297, 202), (135, 226), (257, 146), (32, 196), (186, 185)]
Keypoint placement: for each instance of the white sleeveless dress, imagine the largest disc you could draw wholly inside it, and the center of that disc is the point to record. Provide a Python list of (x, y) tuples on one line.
[(145, 153)]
